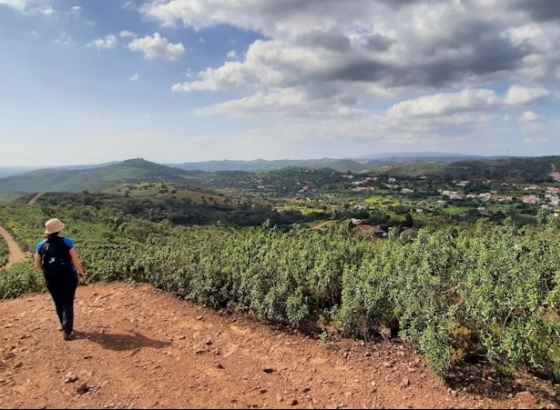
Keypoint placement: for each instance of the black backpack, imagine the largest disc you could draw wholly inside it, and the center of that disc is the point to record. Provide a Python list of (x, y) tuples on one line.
[(55, 258)]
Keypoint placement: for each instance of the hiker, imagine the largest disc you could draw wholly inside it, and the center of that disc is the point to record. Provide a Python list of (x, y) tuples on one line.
[(62, 270)]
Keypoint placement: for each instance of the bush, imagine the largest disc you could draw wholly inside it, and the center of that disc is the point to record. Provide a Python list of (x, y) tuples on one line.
[(21, 279)]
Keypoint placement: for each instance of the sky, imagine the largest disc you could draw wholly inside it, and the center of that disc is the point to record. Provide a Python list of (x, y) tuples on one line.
[(172, 81)]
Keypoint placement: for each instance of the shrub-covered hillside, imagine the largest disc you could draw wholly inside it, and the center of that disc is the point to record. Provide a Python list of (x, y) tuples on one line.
[(490, 291)]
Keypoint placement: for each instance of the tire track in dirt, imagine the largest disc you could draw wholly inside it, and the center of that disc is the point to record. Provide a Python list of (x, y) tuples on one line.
[(16, 254)]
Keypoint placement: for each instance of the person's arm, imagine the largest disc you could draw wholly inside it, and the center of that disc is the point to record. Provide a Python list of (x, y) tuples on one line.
[(38, 262), (77, 264)]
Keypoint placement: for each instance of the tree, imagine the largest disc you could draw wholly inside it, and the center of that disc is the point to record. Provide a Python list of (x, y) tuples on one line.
[(408, 221)]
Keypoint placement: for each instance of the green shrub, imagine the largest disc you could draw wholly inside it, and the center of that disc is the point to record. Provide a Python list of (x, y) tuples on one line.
[(21, 279)]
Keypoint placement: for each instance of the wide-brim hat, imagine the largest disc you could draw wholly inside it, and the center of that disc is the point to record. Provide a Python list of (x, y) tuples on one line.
[(53, 226)]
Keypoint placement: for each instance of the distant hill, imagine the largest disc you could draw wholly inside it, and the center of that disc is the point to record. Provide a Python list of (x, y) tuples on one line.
[(519, 169), (341, 165), (365, 163), (92, 178), (428, 156), (260, 165), (9, 171), (219, 174)]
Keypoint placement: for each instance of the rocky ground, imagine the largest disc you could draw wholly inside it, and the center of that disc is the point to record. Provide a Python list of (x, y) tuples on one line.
[(137, 347)]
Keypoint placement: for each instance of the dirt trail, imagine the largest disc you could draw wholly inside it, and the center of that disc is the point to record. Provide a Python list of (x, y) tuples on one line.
[(16, 254), (137, 347), (35, 198), (323, 225)]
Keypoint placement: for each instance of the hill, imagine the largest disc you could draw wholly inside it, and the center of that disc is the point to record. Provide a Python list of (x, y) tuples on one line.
[(520, 169), (341, 165), (97, 179), (222, 174), (9, 171)]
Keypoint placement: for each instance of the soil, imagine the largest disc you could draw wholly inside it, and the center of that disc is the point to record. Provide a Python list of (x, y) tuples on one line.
[(138, 347), (16, 254)]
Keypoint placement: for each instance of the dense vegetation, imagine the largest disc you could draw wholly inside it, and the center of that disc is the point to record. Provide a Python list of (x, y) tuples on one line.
[(210, 209), (4, 252), (491, 290)]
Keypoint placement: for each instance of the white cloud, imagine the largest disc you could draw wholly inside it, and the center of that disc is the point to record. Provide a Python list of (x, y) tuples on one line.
[(470, 100), (135, 77), (16, 4), (127, 34), (45, 10), (109, 41), (211, 80), (267, 64), (157, 47), (530, 116), (281, 101), (442, 104), (532, 123), (29, 6), (518, 95)]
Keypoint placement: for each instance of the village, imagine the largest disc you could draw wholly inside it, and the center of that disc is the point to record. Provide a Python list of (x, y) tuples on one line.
[(421, 201)]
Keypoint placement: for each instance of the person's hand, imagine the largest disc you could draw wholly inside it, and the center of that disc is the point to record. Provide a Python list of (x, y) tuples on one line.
[(82, 276)]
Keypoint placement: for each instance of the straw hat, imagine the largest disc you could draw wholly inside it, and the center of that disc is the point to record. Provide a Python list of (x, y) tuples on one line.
[(53, 226)]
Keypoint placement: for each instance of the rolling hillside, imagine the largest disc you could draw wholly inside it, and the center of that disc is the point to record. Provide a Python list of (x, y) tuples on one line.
[(110, 177), (95, 179), (341, 165)]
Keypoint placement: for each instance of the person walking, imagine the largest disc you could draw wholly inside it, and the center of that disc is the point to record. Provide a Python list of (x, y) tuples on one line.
[(56, 257)]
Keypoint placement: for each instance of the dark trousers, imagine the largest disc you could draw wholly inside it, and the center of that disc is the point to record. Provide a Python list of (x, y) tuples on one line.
[(63, 291)]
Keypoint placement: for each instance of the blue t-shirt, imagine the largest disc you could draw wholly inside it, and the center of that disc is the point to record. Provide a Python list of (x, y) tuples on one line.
[(69, 242)]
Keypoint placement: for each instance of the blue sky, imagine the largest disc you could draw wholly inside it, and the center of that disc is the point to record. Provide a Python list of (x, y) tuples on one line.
[(93, 81)]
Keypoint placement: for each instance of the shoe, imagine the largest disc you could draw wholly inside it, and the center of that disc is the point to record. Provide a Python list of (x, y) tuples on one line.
[(68, 336)]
